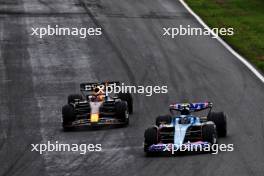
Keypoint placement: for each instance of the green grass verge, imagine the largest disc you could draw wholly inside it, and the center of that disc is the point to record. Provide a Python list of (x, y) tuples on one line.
[(247, 19)]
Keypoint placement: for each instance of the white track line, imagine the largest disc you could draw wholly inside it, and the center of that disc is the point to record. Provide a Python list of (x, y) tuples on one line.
[(238, 56)]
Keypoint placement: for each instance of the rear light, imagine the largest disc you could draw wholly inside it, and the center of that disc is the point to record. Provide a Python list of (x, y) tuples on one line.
[(94, 118)]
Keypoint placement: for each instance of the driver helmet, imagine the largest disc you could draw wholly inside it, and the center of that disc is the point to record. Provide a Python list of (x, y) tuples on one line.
[(97, 95), (185, 110)]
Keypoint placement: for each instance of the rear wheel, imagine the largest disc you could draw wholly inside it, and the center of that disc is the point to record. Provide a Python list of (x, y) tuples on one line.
[(166, 119), (209, 133), (73, 97), (219, 118), (151, 137), (122, 112), (68, 116), (128, 98)]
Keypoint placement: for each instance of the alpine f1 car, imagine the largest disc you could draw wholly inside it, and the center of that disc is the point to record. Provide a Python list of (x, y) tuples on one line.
[(95, 107), (173, 132)]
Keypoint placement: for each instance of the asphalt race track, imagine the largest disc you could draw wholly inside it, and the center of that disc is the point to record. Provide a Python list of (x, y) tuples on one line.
[(36, 76)]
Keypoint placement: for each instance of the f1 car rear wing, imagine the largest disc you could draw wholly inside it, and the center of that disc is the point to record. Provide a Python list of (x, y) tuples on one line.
[(96, 87), (193, 107)]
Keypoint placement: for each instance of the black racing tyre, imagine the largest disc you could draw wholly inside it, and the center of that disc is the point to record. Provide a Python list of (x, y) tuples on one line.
[(129, 99), (73, 97), (219, 118), (122, 111), (151, 137), (166, 119), (209, 133), (68, 115)]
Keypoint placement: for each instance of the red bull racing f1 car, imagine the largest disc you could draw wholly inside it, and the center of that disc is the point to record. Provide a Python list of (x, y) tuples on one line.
[(173, 132), (96, 107)]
